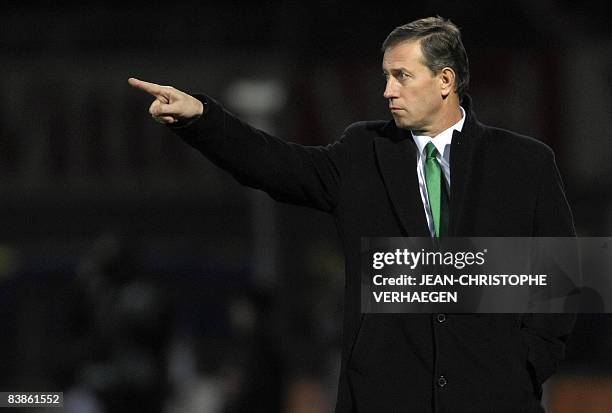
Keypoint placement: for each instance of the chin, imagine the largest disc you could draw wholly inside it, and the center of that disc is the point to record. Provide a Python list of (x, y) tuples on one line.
[(402, 124)]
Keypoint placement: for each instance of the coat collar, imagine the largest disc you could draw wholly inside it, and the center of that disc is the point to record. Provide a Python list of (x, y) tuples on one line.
[(397, 156)]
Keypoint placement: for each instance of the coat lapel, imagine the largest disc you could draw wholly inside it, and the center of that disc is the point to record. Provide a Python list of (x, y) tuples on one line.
[(397, 156), (462, 158)]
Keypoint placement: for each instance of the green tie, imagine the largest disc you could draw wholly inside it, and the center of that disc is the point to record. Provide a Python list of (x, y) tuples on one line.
[(436, 190)]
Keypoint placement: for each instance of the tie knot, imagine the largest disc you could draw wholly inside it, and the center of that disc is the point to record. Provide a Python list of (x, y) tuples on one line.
[(431, 151)]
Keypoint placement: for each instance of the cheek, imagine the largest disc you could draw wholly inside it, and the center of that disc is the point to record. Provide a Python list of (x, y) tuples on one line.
[(415, 99), (416, 90), (410, 94), (426, 95)]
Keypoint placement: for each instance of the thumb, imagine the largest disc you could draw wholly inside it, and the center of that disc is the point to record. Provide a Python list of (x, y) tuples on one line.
[(161, 108)]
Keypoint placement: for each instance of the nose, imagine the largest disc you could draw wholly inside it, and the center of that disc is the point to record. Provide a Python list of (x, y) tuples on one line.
[(391, 89)]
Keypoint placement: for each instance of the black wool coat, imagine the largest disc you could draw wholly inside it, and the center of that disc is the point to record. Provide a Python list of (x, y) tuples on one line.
[(502, 185)]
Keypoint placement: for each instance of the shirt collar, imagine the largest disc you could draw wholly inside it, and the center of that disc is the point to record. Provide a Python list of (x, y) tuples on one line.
[(441, 140)]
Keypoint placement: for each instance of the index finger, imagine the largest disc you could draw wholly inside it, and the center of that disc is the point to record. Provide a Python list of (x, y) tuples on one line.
[(152, 88)]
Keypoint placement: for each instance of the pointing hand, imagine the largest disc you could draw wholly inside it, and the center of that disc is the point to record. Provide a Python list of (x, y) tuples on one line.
[(170, 104)]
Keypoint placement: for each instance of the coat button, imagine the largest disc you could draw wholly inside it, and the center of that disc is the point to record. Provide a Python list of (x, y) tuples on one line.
[(441, 318), (441, 381)]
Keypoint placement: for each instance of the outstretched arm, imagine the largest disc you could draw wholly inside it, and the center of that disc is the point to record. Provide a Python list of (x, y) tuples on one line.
[(303, 175)]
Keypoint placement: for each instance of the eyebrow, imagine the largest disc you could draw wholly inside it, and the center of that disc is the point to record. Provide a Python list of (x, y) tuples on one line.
[(397, 70)]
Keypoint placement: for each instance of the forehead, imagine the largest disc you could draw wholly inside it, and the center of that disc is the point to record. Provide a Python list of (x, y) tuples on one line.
[(406, 54)]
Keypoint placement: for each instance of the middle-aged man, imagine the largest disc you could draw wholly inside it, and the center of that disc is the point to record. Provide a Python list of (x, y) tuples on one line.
[(379, 180)]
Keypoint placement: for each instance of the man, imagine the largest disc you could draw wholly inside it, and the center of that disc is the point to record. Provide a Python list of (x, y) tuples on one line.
[(379, 179)]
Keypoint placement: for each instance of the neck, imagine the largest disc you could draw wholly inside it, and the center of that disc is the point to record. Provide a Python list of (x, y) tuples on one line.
[(449, 114)]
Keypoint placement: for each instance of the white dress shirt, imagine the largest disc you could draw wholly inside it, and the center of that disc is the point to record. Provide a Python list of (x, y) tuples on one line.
[(442, 141)]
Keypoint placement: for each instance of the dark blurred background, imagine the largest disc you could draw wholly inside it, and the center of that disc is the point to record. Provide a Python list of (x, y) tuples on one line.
[(135, 276)]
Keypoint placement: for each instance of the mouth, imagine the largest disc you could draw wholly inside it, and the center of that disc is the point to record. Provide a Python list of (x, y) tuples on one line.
[(394, 109)]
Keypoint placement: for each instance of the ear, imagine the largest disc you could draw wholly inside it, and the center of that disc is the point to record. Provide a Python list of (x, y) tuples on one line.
[(446, 78)]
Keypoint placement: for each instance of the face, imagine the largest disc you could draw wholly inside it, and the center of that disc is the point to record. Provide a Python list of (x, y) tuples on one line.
[(413, 91)]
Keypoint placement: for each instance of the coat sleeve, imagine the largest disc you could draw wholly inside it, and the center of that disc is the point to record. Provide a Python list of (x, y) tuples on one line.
[(303, 175), (546, 334)]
